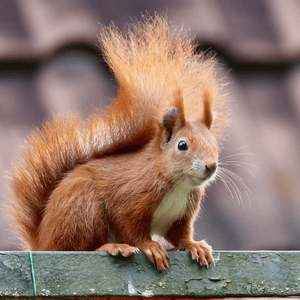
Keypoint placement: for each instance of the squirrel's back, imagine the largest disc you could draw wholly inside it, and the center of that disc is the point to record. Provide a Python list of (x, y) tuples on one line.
[(150, 60)]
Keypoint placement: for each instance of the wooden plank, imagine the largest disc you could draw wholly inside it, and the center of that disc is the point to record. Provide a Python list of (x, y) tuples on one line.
[(96, 274)]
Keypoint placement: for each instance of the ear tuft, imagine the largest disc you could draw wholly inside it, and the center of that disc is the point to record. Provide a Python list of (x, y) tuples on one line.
[(169, 123), (178, 103), (173, 119), (207, 113)]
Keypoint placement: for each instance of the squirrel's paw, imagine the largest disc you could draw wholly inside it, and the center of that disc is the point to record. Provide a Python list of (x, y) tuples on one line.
[(116, 249), (201, 252), (156, 254)]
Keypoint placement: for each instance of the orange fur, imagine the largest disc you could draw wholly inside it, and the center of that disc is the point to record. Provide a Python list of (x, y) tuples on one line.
[(82, 183)]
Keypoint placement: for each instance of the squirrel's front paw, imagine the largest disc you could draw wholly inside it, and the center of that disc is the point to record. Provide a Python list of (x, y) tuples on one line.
[(156, 254), (116, 249), (201, 252)]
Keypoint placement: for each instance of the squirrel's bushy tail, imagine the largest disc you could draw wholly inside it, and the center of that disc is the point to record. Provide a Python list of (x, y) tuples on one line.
[(46, 157), (150, 60)]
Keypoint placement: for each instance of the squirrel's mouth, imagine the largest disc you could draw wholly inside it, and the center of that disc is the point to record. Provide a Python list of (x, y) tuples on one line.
[(198, 180)]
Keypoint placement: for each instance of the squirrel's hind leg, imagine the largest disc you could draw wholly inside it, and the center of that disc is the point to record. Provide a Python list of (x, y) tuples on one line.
[(74, 218), (116, 249)]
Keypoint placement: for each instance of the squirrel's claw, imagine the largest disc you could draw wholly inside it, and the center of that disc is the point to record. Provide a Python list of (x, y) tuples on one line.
[(156, 254), (201, 252), (116, 249)]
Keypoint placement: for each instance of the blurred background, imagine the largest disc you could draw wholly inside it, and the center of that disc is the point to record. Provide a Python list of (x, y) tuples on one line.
[(50, 63)]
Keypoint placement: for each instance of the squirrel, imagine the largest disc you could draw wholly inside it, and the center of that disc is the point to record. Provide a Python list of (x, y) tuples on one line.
[(137, 168)]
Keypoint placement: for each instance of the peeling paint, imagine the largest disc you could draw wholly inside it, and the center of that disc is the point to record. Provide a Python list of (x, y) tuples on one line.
[(147, 294), (131, 289), (46, 292)]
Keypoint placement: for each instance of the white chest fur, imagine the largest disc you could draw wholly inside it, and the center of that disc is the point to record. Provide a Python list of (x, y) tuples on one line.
[(172, 208)]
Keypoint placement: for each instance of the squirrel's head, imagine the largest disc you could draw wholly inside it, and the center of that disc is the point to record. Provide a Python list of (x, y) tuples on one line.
[(189, 147)]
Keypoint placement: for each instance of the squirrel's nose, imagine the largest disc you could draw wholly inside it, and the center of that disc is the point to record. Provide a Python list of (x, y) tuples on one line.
[(210, 169)]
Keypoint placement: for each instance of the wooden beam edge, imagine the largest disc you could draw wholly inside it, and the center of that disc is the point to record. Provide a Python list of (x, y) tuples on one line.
[(97, 274)]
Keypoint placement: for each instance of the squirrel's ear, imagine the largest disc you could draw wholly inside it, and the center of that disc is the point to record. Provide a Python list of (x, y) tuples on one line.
[(207, 118), (173, 119)]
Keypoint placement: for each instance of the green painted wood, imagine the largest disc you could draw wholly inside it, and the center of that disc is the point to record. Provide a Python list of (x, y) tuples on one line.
[(95, 274)]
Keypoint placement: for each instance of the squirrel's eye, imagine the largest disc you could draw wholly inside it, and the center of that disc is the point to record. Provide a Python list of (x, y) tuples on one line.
[(182, 146)]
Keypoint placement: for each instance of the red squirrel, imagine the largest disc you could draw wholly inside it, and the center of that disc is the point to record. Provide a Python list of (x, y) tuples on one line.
[(137, 168)]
